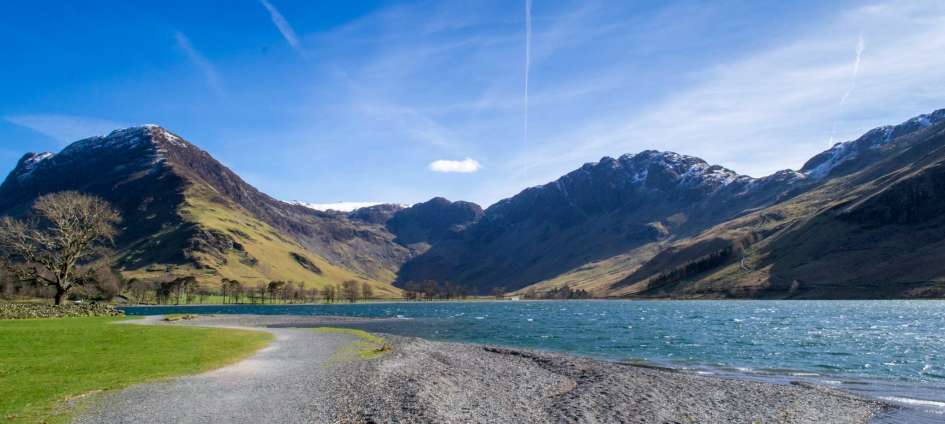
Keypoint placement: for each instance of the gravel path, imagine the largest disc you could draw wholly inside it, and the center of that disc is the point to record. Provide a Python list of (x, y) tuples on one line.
[(296, 380), (283, 383)]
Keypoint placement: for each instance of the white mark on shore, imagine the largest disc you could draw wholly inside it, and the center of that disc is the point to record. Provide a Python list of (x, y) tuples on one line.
[(910, 401), (242, 368)]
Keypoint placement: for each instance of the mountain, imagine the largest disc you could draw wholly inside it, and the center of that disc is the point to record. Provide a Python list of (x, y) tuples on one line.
[(433, 221), (599, 211), (660, 224), (862, 219), (377, 214), (187, 214)]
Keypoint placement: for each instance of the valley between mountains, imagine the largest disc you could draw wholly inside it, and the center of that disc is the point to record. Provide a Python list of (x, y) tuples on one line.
[(863, 219)]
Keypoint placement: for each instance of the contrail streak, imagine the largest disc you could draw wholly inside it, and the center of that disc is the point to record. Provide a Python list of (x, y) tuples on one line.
[(200, 61), (528, 54), (860, 47), (283, 26)]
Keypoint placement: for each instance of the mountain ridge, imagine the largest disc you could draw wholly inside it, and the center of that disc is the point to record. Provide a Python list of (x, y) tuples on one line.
[(187, 213), (648, 224), (608, 210)]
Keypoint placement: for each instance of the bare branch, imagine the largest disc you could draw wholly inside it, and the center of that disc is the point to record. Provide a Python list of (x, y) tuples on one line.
[(68, 230)]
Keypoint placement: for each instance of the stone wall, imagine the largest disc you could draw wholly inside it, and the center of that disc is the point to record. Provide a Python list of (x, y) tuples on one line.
[(27, 310)]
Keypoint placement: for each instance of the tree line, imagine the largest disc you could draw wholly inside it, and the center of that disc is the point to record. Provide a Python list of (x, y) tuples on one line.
[(563, 292), (185, 290), (61, 250), (430, 290)]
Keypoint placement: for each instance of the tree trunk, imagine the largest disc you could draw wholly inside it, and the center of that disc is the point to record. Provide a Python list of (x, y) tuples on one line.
[(60, 295)]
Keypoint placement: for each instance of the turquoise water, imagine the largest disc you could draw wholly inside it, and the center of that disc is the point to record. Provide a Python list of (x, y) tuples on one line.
[(889, 349)]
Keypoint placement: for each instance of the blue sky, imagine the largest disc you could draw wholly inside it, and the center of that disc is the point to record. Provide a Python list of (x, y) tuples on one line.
[(402, 101)]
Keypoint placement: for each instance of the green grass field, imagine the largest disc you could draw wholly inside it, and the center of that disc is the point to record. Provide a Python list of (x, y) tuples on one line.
[(45, 363), (369, 346)]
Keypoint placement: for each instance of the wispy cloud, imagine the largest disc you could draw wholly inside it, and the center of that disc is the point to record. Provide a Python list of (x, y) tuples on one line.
[(283, 26), (407, 120), (860, 47), (464, 166), (528, 63), (756, 92), (201, 62), (768, 111), (64, 128)]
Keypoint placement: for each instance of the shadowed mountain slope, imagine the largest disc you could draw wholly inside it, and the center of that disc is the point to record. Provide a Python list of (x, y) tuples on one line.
[(663, 224), (185, 213), (862, 219)]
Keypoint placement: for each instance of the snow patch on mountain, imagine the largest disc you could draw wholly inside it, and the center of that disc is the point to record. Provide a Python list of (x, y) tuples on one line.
[(30, 163), (337, 206), (34, 160), (167, 135), (874, 139), (691, 171), (119, 139)]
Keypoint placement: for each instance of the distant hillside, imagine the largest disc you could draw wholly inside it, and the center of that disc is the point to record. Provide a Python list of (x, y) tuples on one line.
[(859, 220), (187, 214), (863, 219)]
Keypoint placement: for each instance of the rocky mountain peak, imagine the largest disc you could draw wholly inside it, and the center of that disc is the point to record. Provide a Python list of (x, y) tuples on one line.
[(148, 135), (875, 139), (433, 220), (28, 163), (653, 169), (377, 214)]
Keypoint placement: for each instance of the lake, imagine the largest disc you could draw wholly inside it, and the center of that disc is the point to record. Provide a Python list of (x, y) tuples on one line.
[(894, 350)]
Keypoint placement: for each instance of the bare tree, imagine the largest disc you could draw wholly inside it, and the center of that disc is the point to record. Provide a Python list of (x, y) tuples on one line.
[(189, 286), (412, 291), (261, 292), (67, 229), (102, 280), (139, 289), (329, 293), (274, 288), (286, 290), (366, 291), (236, 290), (350, 290), (224, 286), (6, 282)]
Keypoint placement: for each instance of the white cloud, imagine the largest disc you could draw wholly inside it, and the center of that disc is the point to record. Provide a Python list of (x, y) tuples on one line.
[(337, 206), (201, 62), (774, 109), (464, 166), (283, 26), (64, 128)]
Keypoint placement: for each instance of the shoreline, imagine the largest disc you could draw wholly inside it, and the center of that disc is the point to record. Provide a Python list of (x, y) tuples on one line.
[(917, 401), (459, 382), (599, 299)]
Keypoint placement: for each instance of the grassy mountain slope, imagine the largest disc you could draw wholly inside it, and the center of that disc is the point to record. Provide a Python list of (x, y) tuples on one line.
[(240, 247), (186, 214), (872, 231), (861, 220), (573, 229)]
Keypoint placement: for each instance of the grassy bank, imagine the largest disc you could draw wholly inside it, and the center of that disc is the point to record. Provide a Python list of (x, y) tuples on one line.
[(46, 362), (369, 346)]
